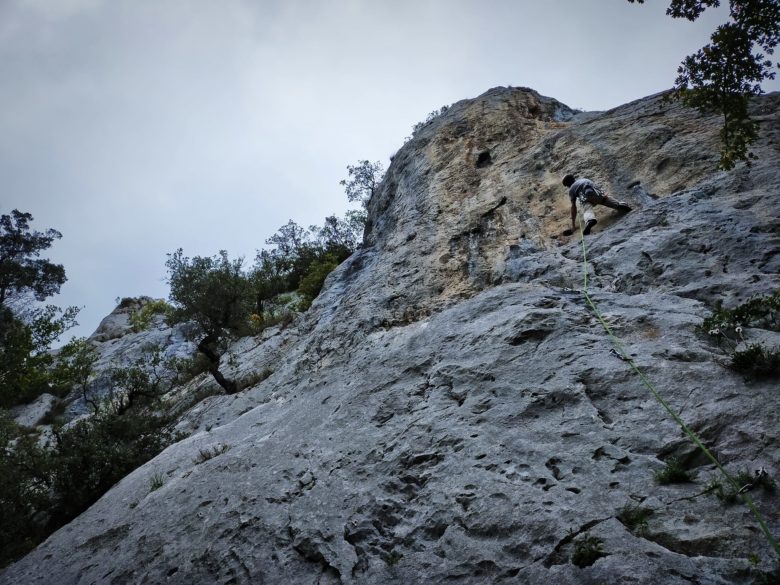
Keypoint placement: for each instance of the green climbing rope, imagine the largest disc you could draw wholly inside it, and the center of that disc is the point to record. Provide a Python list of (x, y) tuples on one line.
[(618, 347)]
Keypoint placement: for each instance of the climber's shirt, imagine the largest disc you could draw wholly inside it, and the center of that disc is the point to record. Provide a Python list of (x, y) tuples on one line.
[(584, 189)]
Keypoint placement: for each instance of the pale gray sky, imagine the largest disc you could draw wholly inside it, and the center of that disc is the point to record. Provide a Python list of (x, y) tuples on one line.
[(139, 126)]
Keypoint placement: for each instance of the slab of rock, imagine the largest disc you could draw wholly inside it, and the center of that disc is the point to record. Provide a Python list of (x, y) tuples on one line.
[(450, 409), (29, 415)]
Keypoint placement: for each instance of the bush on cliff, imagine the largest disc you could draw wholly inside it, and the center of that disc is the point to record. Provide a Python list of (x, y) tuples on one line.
[(728, 327), (42, 487), (215, 294)]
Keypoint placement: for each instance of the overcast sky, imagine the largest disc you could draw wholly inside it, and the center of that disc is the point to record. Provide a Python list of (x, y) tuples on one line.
[(136, 127)]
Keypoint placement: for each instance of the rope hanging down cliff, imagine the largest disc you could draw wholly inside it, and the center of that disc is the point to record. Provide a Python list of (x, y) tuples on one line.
[(620, 351)]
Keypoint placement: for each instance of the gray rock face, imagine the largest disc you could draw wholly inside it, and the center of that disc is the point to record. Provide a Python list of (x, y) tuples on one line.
[(28, 415), (118, 345), (449, 410)]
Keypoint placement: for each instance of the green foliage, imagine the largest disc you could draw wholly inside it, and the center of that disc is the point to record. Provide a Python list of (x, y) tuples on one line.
[(756, 361), (25, 361), (299, 262), (216, 294), (225, 301), (743, 481), (141, 320), (336, 237), (24, 490), (20, 380), (722, 75), (300, 259), (188, 369), (311, 283), (75, 368), (268, 278), (55, 414), (95, 453), (295, 251), (212, 291), (587, 550), (767, 578), (126, 302), (27, 331), (43, 488), (726, 494), (762, 311), (673, 472), (156, 482), (634, 517), (21, 269), (270, 318), (727, 326), (392, 558), (211, 452), (364, 178), (144, 381)]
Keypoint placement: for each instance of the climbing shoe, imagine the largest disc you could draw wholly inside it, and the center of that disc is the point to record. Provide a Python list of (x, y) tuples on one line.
[(589, 226), (623, 207)]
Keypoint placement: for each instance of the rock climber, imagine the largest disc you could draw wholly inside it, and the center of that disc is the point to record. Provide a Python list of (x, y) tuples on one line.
[(589, 195)]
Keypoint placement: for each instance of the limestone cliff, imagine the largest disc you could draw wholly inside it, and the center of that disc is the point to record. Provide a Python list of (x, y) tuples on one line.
[(449, 411)]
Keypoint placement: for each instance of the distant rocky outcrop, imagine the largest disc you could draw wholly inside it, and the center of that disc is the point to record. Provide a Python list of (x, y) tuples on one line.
[(449, 410)]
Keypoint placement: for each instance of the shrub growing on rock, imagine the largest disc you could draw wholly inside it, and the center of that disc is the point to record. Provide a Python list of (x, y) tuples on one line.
[(97, 452), (311, 284), (43, 488), (673, 472), (727, 326), (587, 550), (141, 320), (215, 294)]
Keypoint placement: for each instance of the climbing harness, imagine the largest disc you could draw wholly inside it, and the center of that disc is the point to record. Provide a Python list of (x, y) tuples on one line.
[(617, 348)]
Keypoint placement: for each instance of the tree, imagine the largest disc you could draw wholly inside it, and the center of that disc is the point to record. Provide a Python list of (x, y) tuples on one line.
[(76, 368), (336, 236), (214, 293), (288, 241), (364, 179), (44, 487), (27, 330), (144, 381), (293, 252), (311, 283), (722, 75), (21, 271), (267, 278), (24, 490)]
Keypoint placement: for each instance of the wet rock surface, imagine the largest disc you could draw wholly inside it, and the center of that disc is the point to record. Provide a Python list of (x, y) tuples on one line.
[(449, 411)]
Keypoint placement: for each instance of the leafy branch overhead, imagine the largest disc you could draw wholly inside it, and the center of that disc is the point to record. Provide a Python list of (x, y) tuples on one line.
[(721, 76)]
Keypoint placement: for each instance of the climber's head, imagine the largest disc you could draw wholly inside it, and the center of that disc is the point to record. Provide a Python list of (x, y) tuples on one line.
[(568, 180)]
